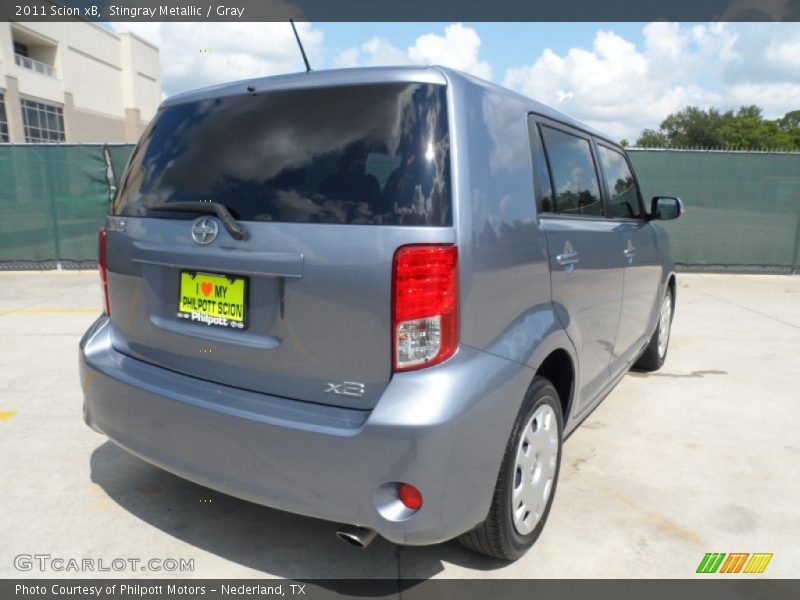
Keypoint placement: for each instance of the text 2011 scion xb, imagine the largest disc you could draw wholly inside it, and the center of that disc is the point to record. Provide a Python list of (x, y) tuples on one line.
[(380, 297)]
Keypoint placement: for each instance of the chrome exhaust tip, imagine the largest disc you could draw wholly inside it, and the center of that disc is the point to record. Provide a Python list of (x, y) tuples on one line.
[(361, 537)]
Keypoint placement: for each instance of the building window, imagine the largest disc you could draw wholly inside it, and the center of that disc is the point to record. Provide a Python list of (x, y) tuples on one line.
[(21, 49), (42, 122), (3, 119)]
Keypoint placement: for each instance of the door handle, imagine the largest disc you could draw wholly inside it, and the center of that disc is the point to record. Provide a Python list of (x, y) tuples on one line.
[(567, 258), (629, 252)]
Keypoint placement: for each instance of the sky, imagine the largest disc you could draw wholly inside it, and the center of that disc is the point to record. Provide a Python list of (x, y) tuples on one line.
[(618, 77)]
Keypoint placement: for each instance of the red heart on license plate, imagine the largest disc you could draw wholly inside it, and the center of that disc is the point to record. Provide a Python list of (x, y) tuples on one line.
[(206, 288)]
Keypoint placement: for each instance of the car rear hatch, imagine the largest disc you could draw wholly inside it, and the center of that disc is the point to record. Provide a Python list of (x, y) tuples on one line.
[(327, 183)]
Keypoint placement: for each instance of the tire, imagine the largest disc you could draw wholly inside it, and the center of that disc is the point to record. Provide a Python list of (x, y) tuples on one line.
[(654, 355), (499, 536)]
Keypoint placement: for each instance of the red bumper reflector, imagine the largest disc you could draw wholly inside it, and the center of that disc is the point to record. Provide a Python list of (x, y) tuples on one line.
[(410, 496)]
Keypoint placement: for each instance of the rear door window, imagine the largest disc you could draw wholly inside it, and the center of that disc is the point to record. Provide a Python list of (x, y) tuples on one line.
[(577, 191), (543, 186), (368, 154), (622, 191)]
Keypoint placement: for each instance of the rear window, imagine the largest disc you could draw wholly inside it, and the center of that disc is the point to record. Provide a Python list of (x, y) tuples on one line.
[(369, 154)]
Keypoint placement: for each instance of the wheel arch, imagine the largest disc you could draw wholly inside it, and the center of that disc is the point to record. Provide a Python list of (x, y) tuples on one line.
[(558, 367), (672, 287)]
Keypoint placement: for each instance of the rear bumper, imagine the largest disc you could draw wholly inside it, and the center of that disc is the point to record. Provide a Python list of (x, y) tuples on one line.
[(442, 429)]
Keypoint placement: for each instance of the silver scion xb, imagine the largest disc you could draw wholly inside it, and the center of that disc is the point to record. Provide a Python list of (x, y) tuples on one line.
[(381, 297)]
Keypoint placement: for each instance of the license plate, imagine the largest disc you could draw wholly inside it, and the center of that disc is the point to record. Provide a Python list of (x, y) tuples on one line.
[(214, 300)]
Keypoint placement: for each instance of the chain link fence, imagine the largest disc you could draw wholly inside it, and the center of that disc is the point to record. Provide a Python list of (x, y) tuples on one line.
[(53, 198), (743, 208)]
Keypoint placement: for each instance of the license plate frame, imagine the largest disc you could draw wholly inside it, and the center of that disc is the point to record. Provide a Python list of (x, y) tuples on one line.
[(203, 317)]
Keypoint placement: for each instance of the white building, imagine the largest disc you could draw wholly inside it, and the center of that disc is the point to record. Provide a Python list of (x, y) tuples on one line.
[(75, 82)]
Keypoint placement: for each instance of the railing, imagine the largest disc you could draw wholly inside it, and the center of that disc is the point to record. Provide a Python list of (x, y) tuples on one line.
[(34, 65)]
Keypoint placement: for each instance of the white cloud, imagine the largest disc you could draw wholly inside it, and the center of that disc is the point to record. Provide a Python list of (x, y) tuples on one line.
[(457, 48), (784, 52), (375, 52), (621, 88), (775, 98), (195, 55), (614, 84)]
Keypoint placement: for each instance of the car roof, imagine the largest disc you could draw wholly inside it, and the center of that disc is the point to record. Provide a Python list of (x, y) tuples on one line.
[(368, 75), (312, 79)]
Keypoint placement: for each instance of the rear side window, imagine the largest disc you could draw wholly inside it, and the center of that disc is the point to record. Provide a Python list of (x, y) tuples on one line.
[(622, 191), (541, 173), (368, 154), (577, 191)]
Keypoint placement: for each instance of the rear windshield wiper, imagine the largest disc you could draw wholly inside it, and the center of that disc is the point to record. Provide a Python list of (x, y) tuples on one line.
[(237, 230)]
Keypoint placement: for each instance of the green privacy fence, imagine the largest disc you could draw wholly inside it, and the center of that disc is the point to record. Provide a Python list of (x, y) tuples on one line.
[(52, 200), (743, 208)]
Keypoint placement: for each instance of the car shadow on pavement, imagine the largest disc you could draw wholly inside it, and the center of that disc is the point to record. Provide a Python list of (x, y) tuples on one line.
[(256, 537)]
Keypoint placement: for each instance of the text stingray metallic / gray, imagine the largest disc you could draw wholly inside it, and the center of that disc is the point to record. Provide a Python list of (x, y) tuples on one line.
[(138, 12)]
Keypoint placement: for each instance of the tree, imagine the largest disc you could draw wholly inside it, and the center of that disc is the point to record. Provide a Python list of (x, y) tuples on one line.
[(652, 139), (790, 121), (745, 129), (693, 127)]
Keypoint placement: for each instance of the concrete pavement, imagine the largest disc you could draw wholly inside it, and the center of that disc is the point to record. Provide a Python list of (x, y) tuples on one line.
[(700, 457)]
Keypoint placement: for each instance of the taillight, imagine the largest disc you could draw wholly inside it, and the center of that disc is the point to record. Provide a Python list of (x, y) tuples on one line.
[(425, 305), (102, 266)]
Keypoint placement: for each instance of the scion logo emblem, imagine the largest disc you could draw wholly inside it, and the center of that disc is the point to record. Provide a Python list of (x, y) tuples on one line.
[(204, 230), (346, 388)]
